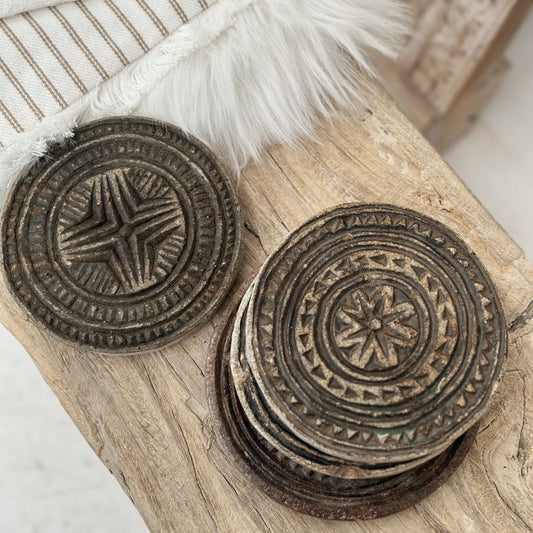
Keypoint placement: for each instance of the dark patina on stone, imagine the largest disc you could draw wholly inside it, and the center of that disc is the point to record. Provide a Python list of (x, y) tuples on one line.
[(124, 238), (360, 359), (302, 489)]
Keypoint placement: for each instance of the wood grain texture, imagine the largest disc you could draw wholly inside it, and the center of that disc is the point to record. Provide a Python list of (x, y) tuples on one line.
[(146, 416)]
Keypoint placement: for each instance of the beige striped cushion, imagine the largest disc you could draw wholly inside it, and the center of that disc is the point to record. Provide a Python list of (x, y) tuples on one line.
[(9, 8), (52, 56)]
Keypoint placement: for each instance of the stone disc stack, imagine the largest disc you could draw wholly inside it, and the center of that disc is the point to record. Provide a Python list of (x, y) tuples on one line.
[(351, 377)]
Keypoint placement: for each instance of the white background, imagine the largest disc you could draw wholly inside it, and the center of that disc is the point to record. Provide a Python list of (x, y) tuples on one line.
[(51, 481)]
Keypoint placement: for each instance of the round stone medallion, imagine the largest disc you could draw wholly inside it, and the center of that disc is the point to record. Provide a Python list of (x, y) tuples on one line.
[(375, 335), (295, 485), (124, 238), (350, 379)]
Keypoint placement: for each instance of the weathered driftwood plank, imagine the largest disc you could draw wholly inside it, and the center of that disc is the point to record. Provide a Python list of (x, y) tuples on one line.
[(146, 416)]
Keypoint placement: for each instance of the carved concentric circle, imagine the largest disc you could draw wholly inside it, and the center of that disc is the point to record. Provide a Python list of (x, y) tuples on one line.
[(376, 324), (375, 335), (273, 431), (124, 238), (293, 483)]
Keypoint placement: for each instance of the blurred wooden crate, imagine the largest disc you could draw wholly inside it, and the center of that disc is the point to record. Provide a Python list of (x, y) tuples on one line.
[(453, 63)]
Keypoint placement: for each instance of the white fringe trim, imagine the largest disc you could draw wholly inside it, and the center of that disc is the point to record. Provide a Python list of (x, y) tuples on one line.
[(241, 75), (119, 95)]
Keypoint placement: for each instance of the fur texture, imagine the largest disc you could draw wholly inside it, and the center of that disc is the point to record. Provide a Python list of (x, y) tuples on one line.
[(240, 76), (279, 67)]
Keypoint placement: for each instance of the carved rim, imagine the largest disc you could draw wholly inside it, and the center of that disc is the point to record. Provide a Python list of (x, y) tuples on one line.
[(314, 494), (123, 239)]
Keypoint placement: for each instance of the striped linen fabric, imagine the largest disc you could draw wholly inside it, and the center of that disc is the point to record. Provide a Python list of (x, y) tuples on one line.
[(52, 56)]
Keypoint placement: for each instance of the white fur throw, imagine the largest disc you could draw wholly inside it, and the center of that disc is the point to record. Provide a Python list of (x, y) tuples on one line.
[(239, 74)]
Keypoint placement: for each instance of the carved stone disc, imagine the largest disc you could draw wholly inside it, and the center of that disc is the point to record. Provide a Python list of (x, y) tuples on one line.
[(375, 335), (124, 238), (301, 488), (273, 431)]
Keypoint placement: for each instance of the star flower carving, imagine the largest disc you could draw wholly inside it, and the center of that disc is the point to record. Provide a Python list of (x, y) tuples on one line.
[(122, 230), (372, 329)]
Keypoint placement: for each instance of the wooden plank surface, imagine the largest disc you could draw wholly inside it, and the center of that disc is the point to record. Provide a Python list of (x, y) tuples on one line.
[(146, 416)]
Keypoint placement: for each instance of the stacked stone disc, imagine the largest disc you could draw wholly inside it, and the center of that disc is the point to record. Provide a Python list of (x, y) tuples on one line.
[(351, 377), (124, 238)]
